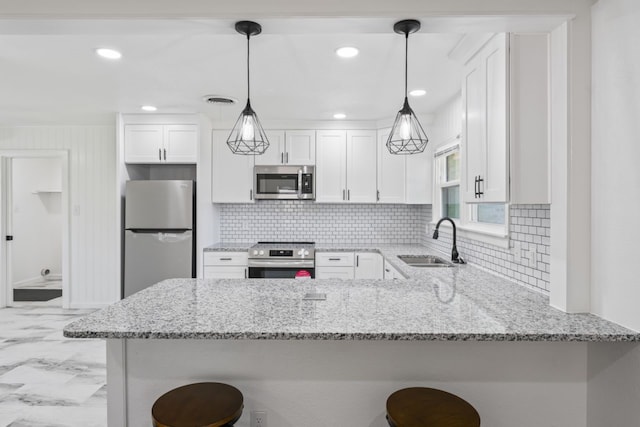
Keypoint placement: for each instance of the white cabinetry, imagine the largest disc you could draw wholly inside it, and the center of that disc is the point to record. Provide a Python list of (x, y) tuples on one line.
[(225, 265), (334, 265), (369, 265), (390, 272), (157, 143), (345, 166), (231, 174), (291, 147), (485, 124)]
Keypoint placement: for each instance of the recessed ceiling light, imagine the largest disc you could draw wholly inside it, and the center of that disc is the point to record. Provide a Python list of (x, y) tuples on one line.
[(108, 53), (418, 92), (148, 108), (339, 116), (347, 52)]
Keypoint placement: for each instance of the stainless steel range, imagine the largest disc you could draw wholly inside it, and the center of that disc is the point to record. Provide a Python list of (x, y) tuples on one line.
[(282, 260)]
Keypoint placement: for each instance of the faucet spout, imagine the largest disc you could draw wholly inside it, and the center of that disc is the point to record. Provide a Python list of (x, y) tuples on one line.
[(455, 256)]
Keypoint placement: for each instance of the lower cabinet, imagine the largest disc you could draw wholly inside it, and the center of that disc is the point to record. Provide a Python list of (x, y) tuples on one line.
[(349, 265), (390, 272), (225, 265)]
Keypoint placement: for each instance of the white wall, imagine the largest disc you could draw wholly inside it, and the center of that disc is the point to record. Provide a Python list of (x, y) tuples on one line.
[(37, 218), (615, 154), (94, 276)]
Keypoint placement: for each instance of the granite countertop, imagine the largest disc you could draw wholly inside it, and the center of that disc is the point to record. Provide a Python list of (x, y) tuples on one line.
[(461, 303)]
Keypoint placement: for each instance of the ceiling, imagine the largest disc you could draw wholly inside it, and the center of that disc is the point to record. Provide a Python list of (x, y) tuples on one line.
[(50, 73)]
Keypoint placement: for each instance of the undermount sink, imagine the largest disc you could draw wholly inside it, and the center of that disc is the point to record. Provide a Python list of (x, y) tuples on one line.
[(425, 261)]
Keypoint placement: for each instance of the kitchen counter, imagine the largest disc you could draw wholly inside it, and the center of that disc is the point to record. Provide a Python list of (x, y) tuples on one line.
[(461, 303)]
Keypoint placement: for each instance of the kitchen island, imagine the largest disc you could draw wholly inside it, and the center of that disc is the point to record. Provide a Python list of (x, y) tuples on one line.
[(313, 362)]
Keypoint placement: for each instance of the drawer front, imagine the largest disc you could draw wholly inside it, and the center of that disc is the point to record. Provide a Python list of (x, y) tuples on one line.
[(226, 258), (334, 259), (225, 272), (345, 273)]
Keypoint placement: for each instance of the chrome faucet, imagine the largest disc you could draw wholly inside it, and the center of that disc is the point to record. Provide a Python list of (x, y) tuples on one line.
[(455, 257)]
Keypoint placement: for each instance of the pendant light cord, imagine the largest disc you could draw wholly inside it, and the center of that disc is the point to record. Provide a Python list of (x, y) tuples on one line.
[(406, 61), (248, 81)]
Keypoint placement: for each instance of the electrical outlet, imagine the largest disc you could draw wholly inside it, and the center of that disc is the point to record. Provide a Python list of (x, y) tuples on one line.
[(258, 418), (532, 255)]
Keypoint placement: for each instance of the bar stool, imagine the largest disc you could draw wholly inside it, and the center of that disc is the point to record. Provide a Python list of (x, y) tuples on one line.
[(198, 405), (428, 407)]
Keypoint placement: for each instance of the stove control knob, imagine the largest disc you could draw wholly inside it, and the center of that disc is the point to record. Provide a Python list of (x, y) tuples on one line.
[(306, 252), (300, 252), (261, 252), (255, 252)]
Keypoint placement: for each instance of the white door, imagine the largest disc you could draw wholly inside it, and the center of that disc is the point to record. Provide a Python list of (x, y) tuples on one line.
[(369, 265), (231, 174), (391, 172), (331, 166), (300, 147), (361, 166), (143, 143), (180, 144), (473, 140), (275, 153)]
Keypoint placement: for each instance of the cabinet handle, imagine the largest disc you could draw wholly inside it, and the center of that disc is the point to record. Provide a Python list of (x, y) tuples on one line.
[(245, 273), (377, 195), (348, 194), (480, 181), (250, 194), (387, 270), (334, 259), (225, 259), (343, 195), (159, 154), (287, 157), (357, 260), (165, 153), (282, 158)]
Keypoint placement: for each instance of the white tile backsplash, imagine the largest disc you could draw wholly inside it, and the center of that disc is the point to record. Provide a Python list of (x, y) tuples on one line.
[(282, 220)]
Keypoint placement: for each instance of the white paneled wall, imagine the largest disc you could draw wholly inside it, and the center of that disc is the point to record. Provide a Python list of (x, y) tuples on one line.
[(94, 272)]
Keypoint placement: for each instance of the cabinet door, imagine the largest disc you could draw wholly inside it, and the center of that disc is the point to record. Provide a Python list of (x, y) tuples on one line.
[(300, 147), (473, 141), (345, 273), (231, 174), (225, 272), (391, 172), (368, 266), (361, 166), (390, 272), (331, 166), (180, 144), (143, 143), (275, 153)]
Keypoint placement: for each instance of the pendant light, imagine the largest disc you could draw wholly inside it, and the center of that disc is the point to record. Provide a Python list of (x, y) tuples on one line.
[(407, 136), (247, 136)]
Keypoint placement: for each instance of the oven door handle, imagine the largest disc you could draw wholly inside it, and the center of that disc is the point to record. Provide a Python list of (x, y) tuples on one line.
[(282, 264), (299, 182)]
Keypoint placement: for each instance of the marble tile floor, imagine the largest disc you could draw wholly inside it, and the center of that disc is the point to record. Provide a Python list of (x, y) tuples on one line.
[(47, 380)]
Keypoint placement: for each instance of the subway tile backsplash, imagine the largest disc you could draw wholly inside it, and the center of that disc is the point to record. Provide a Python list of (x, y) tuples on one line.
[(282, 220)]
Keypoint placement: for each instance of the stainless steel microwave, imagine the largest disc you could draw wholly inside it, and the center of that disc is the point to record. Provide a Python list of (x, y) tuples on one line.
[(284, 182)]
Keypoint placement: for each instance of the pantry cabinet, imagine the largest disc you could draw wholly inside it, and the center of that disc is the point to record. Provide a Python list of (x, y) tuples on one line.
[(291, 147), (485, 124), (344, 166), (157, 143), (231, 174)]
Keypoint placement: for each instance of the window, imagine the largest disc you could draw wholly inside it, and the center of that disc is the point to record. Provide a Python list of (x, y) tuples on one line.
[(487, 213), (448, 181)]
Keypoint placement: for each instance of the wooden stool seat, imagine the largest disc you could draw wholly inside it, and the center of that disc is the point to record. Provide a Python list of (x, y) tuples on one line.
[(428, 407), (198, 405)]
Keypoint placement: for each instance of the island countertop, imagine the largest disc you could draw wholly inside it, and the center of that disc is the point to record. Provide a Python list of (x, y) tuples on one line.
[(461, 303)]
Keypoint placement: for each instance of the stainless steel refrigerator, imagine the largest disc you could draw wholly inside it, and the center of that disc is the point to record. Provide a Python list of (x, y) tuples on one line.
[(159, 230)]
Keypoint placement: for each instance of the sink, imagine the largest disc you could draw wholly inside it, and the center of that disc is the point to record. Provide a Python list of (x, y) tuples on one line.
[(425, 261)]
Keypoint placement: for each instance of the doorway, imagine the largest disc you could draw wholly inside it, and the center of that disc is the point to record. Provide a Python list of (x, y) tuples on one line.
[(34, 229)]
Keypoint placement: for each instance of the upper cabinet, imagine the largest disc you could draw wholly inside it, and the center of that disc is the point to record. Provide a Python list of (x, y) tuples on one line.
[(158, 143), (485, 124), (344, 166), (231, 174), (291, 147)]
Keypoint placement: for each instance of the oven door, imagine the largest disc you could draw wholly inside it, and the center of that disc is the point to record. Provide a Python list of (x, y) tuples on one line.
[(273, 269)]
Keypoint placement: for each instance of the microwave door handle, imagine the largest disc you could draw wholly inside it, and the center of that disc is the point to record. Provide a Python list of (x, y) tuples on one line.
[(299, 183)]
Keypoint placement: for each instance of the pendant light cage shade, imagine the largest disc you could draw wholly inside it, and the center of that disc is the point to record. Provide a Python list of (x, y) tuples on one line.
[(247, 136), (407, 135)]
